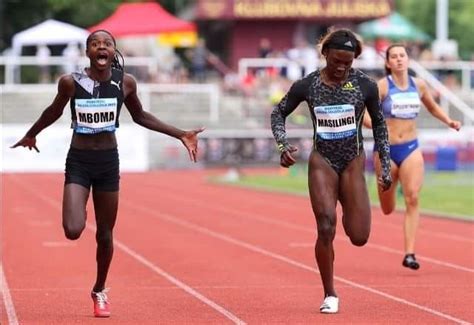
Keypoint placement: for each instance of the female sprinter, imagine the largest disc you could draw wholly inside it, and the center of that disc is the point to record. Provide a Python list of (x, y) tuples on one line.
[(337, 96), (96, 95), (401, 97)]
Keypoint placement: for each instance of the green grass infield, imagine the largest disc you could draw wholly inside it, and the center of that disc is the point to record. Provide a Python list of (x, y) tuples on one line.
[(448, 194)]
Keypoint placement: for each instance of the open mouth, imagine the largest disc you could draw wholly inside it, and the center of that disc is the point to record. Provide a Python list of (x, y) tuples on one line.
[(102, 58)]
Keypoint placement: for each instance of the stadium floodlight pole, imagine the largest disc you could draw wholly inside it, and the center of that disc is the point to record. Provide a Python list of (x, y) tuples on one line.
[(442, 20)]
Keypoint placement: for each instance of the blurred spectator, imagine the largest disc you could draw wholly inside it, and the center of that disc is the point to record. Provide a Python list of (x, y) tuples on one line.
[(265, 48), (370, 56), (381, 45), (426, 54), (43, 54), (304, 59), (199, 57), (451, 81)]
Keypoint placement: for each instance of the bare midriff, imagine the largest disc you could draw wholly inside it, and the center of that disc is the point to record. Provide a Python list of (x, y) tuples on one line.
[(400, 130)]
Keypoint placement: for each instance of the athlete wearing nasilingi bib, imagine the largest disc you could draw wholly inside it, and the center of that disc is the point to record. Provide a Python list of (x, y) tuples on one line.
[(337, 96), (337, 114)]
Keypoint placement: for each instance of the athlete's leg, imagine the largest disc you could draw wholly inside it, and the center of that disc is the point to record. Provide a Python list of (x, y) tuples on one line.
[(411, 178), (355, 202), (74, 209), (387, 198), (323, 183), (105, 207)]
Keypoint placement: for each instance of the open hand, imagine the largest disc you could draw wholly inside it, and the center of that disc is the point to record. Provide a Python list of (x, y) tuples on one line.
[(286, 158), (190, 141), (26, 142)]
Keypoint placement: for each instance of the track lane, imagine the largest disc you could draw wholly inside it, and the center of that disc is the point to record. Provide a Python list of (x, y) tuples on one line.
[(260, 300), (45, 279)]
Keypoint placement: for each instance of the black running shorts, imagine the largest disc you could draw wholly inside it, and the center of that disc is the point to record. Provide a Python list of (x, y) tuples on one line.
[(96, 168)]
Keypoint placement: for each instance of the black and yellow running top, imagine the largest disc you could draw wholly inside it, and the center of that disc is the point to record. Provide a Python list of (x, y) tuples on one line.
[(337, 114)]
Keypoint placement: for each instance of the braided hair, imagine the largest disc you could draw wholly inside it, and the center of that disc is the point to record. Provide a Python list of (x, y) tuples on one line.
[(115, 61), (341, 39)]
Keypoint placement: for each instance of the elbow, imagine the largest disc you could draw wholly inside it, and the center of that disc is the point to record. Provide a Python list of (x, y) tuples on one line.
[(276, 114), (138, 121)]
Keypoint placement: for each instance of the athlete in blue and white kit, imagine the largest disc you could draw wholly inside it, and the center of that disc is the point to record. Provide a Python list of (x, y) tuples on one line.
[(96, 95), (337, 97), (401, 97)]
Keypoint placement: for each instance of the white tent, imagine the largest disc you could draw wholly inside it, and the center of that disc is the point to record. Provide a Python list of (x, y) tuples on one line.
[(49, 32)]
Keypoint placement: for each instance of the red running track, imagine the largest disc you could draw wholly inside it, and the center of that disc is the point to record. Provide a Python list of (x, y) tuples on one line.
[(190, 251)]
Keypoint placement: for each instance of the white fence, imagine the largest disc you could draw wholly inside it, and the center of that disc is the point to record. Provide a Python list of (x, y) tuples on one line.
[(421, 68)]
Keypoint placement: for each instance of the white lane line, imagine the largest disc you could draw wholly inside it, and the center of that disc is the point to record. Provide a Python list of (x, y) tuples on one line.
[(7, 299), (177, 282), (172, 287), (381, 221), (54, 244), (287, 260), (147, 263), (398, 252), (313, 231)]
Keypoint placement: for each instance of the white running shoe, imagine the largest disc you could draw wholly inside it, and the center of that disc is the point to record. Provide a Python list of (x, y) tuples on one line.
[(330, 305)]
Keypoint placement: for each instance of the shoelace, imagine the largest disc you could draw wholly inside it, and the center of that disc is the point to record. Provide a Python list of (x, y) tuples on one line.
[(101, 298)]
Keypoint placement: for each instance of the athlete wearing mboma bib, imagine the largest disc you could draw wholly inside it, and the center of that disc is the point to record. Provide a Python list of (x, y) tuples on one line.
[(96, 94)]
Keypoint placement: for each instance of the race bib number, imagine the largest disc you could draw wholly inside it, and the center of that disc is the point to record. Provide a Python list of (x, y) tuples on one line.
[(405, 105), (96, 115), (335, 121)]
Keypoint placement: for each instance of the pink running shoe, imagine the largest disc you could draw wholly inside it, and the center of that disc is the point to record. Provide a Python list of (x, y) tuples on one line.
[(101, 303)]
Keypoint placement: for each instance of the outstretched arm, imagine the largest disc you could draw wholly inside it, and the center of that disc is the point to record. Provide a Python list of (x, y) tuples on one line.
[(433, 107), (149, 121), (50, 114), (379, 129)]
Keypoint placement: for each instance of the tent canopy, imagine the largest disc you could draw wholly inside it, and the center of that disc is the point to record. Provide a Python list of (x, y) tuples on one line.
[(393, 27), (141, 19), (49, 32)]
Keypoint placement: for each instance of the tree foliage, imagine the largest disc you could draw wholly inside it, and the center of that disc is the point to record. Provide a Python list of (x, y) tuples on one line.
[(460, 20), (17, 15)]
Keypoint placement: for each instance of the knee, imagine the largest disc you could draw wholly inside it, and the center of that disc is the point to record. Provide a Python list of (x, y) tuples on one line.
[(73, 232), (411, 199), (359, 240), (327, 227), (387, 209), (104, 238)]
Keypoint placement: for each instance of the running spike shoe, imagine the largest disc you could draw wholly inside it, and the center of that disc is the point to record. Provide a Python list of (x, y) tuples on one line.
[(101, 303), (330, 305), (410, 261)]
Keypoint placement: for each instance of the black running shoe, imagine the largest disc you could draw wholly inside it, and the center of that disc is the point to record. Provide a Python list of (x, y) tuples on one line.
[(411, 262)]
